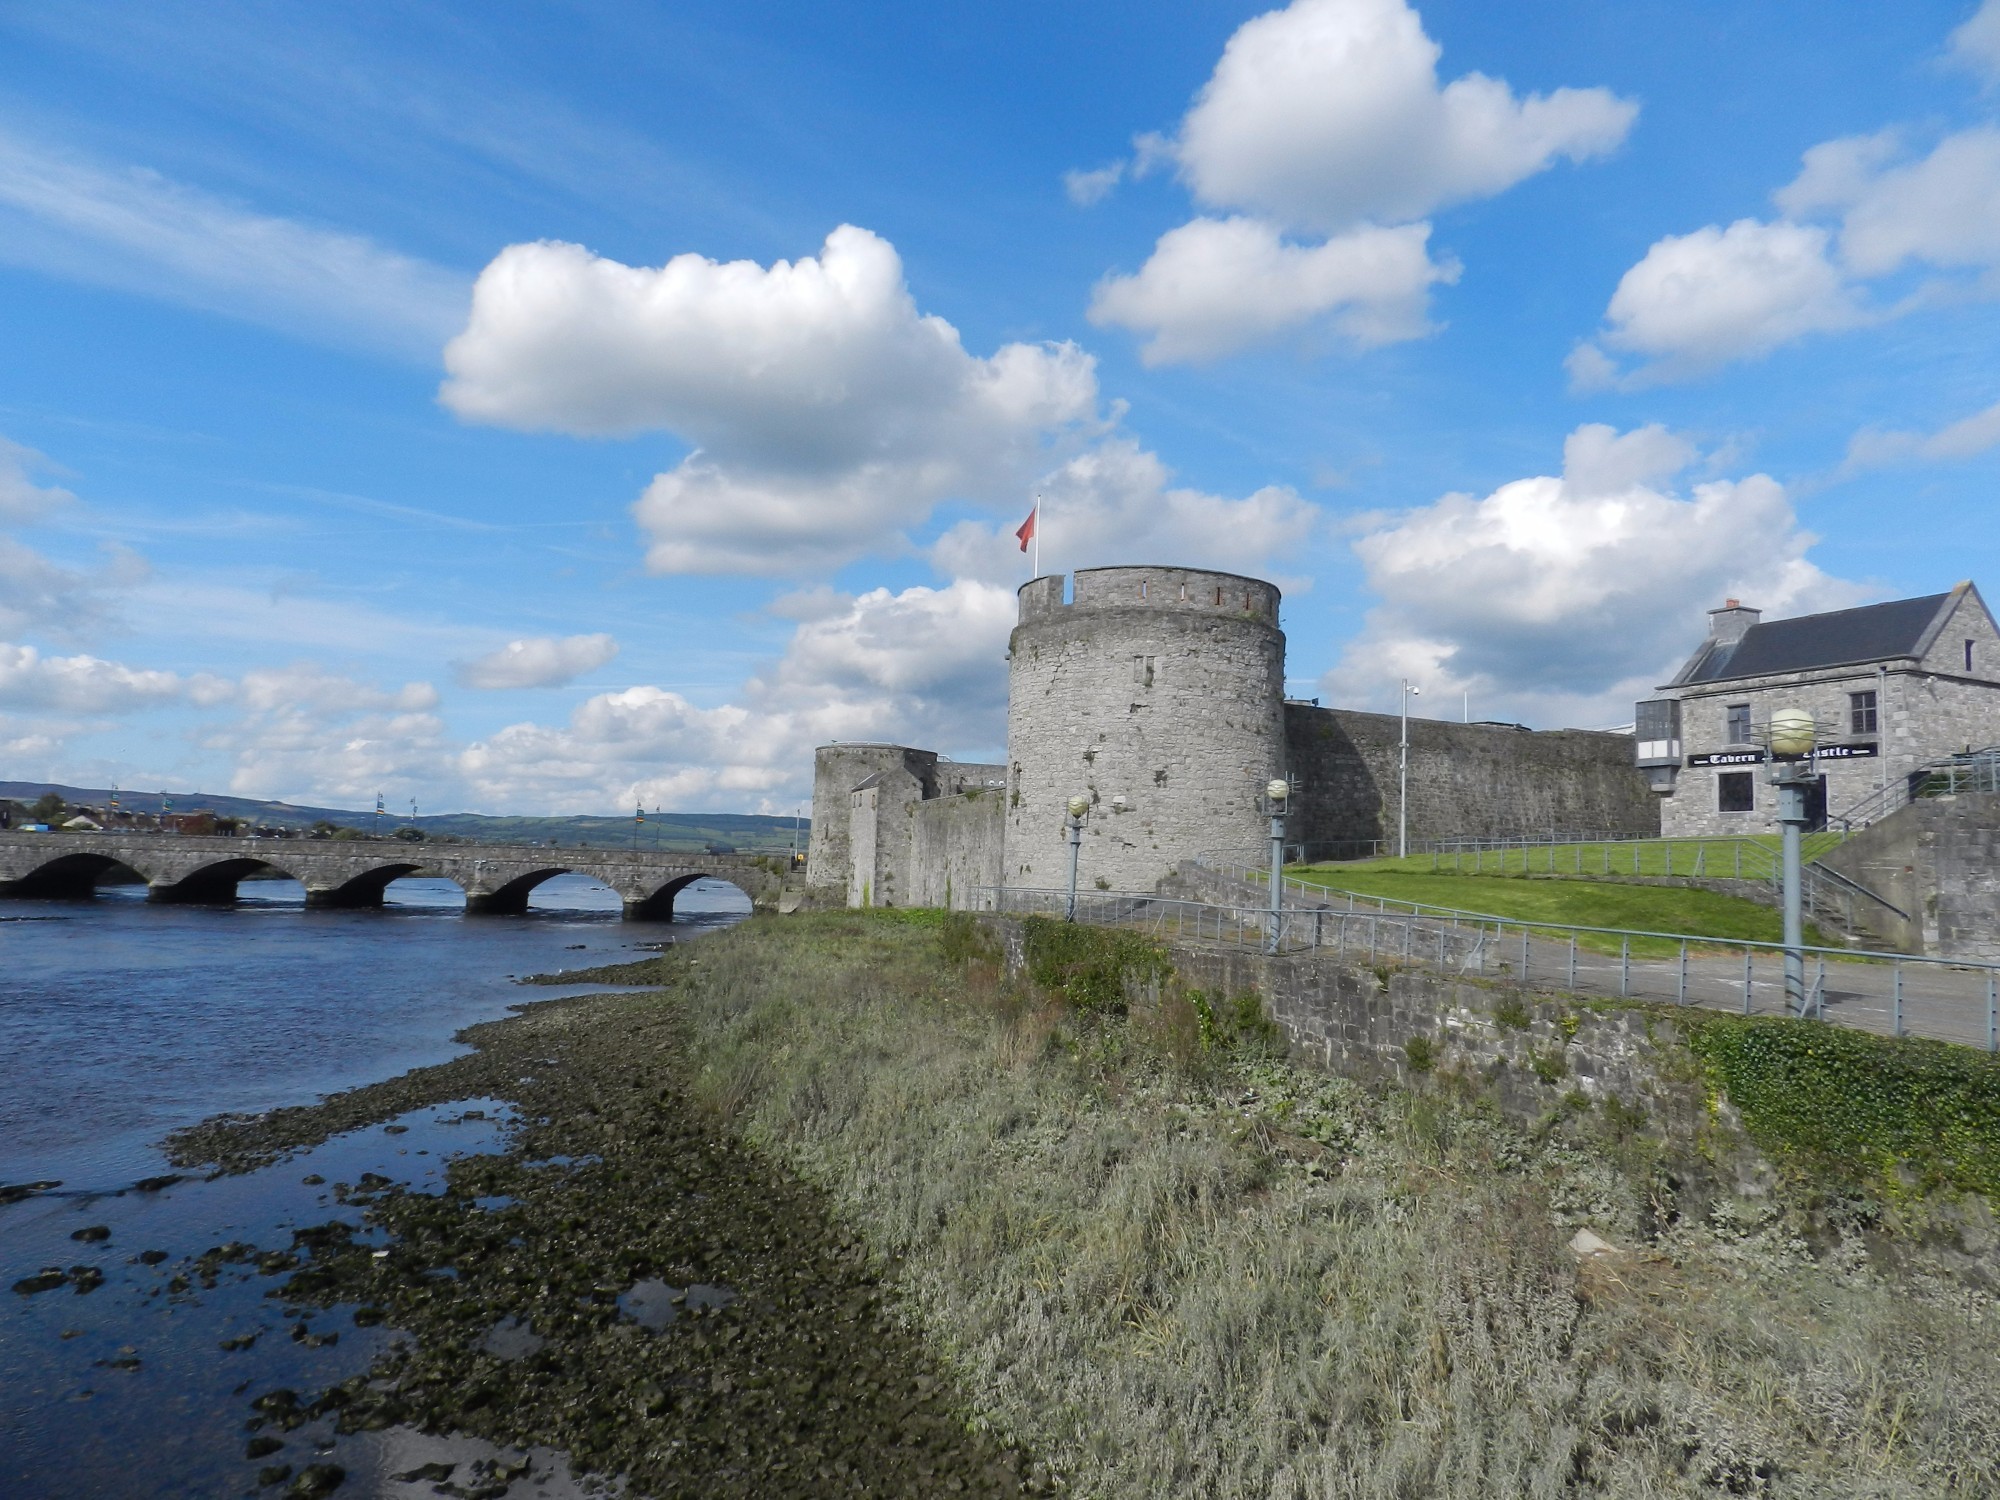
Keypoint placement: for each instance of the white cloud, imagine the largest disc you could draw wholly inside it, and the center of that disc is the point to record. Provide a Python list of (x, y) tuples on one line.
[(1116, 502), (1941, 209), (1085, 188), (1697, 301), (140, 232), (1564, 598), (923, 666), (539, 661), (90, 685), (827, 413), (21, 499), (307, 734), (1214, 286), (1976, 42), (1326, 122), (1328, 114), (1700, 300), (1968, 437)]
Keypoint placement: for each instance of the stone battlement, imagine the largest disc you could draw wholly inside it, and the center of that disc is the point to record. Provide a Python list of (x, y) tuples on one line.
[(1195, 590)]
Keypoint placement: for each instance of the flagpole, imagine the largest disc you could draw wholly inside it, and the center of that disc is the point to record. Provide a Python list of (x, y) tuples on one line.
[(1037, 535)]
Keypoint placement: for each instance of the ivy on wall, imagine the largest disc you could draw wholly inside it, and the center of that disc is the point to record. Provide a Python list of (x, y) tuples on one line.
[(1867, 1108)]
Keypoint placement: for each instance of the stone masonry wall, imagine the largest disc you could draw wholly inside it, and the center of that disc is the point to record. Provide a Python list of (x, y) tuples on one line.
[(1939, 860), (1156, 694), (1361, 1022), (1466, 780), (837, 771), (955, 848)]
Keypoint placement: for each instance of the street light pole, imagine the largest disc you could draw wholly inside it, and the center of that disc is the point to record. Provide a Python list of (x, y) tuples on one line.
[(1277, 790), (1791, 734), (1079, 809), (1403, 776)]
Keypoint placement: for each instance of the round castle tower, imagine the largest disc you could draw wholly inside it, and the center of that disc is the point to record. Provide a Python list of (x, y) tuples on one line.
[(1158, 694)]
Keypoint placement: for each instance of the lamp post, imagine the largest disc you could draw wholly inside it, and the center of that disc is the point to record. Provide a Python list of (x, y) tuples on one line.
[(1403, 775), (1277, 791), (1791, 735), (1079, 809)]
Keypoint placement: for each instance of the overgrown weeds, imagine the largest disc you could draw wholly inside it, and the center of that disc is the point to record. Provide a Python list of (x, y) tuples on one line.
[(1175, 1263)]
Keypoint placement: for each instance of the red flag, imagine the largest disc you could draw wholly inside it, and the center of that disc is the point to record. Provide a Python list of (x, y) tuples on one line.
[(1027, 531)]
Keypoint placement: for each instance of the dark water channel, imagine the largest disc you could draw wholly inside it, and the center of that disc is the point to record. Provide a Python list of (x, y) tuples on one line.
[(120, 1022)]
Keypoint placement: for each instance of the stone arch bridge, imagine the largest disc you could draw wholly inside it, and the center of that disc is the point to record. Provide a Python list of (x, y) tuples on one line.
[(342, 872)]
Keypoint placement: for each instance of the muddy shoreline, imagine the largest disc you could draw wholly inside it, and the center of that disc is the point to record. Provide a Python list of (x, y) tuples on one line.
[(624, 1281)]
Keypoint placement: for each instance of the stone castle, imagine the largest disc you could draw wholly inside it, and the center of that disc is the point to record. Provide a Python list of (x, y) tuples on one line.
[(1158, 695)]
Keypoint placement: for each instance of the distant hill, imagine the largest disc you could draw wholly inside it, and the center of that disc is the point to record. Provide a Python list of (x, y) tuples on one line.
[(751, 833)]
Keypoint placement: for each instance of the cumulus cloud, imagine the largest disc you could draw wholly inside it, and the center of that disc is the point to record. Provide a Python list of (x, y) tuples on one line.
[(1329, 113), (1117, 502), (309, 734), (539, 661), (922, 665), (140, 232), (1564, 598), (1862, 209), (1941, 209), (21, 499), (1697, 301), (90, 685), (825, 411), (1215, 286), (1326, 135)]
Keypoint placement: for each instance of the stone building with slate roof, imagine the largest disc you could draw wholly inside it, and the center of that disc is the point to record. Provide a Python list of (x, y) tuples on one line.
[(1891, 687)]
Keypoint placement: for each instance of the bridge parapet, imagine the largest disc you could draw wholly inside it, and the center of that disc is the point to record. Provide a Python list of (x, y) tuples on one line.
[(355, 872)]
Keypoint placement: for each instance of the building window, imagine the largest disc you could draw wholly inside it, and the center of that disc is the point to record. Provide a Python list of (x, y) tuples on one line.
[(1736, 791), (1968, 656), (1862, 717), (1142, 671), (1739, 724)]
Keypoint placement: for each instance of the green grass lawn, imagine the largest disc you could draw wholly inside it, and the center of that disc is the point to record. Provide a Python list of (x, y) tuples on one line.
[(1747, 858), (1581, 903)]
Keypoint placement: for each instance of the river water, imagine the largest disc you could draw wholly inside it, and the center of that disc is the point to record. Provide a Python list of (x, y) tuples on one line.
[(121, 1021)]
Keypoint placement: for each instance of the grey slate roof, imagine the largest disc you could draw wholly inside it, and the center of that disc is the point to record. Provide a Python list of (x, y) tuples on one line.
[(1873, 632)]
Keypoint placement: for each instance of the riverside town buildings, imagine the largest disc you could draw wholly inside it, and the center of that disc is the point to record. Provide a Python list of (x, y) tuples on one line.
[(1891, 687)]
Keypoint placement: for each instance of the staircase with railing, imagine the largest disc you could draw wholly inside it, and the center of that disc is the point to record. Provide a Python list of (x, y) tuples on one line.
[(1973, 771)]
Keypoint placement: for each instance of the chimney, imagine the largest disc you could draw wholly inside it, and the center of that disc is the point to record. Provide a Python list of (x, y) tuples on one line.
[(1727, 625)]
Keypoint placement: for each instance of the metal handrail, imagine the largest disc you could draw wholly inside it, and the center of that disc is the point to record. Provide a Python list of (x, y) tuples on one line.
[(1473, 941)]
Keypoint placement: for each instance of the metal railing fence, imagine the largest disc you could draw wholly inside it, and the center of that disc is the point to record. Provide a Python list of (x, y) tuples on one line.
[(1887, 993), (1832, 899)]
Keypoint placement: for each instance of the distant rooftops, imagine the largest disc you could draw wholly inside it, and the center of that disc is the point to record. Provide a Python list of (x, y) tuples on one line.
[(1741, 645)]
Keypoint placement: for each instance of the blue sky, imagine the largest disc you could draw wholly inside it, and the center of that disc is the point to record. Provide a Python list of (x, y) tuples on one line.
[(549, 407)]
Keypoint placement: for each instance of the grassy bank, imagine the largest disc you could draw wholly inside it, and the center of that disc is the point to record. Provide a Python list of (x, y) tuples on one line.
[(1174, 1265), (1581, 903), (1751, 857)]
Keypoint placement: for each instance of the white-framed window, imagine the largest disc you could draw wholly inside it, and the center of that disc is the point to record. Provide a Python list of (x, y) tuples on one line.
[(1863, 713)]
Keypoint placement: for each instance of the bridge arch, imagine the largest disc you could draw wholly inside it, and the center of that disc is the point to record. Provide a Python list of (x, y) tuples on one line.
[(213, 883), (74, 875), (365, 889)]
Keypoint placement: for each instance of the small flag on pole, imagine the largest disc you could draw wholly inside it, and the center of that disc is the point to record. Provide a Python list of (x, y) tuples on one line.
[(1027, 530)]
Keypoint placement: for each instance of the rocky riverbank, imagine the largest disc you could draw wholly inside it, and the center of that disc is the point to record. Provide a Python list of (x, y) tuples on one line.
[(624, 1282)]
